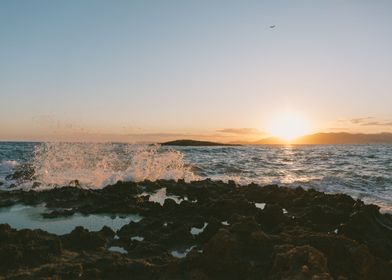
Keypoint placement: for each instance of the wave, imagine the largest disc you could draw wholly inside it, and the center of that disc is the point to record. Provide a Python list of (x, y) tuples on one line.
[(96, 165), (8, 165)]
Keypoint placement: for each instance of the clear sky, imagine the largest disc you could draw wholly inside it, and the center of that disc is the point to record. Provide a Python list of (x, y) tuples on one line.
[(146, 70)]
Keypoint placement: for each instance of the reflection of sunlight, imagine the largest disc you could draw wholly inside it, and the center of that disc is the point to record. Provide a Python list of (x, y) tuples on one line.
[(292, 178), (290, 172), (288, 154)]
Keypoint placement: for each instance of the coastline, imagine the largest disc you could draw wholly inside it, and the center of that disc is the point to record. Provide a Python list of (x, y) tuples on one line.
[(203, 230)]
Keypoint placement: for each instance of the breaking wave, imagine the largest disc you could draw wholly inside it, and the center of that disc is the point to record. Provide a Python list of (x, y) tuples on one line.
[(96, 165)]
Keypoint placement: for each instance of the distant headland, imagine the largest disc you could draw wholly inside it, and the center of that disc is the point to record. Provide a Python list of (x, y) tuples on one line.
[(193, 143), (338, 138)]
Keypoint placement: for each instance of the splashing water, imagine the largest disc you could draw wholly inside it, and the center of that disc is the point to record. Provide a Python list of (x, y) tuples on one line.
[(362, 171), (97, 165), (6, 166)]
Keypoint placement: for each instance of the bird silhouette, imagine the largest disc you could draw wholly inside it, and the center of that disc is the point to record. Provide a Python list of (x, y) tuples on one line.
[(272, 26)]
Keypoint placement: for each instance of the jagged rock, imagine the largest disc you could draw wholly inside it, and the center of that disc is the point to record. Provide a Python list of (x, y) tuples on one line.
[(26, 248), (81, 239), (368, 226), (302, 262), (318, 236)]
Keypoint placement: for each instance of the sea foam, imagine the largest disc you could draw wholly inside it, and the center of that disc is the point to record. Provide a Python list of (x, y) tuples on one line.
[(96, 165)]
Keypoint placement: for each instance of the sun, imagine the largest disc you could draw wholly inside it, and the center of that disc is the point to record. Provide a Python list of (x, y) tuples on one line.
[(288, 126)]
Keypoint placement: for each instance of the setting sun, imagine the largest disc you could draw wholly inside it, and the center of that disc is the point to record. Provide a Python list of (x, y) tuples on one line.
[(288, 126)]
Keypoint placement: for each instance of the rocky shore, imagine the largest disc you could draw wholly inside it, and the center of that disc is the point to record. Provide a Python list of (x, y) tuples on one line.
[(203, 230)]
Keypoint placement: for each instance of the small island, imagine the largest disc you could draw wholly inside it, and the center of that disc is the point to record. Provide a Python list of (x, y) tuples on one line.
[(194, 143)]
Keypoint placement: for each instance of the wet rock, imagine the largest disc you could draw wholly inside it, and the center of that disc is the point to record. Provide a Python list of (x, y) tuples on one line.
[(368, 226), (320, 236), (169, 205), (179, 236), (302, 262), (36, 185), (75, 184), (82, 239), (58, 213), (222, 256), (69, 271), (224, 208), (271, 217), (26, 248), (346, 257), (323, 218), (211, 229)]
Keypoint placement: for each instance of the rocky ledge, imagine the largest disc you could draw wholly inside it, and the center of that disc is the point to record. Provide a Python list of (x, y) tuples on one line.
[(206, 230)]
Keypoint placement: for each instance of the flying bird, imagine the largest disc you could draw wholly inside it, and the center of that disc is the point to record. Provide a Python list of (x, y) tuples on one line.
[(272, 26)]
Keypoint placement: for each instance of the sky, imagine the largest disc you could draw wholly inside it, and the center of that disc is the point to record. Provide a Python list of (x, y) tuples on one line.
[(157, 70)]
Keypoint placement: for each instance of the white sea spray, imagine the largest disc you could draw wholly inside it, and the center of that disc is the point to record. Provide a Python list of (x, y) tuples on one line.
[(96, 165)]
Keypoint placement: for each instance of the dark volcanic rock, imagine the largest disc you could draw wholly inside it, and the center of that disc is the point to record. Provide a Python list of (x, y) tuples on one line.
[(302, 262), (26, 248), (297, 235), (81, 239), (368, 226)]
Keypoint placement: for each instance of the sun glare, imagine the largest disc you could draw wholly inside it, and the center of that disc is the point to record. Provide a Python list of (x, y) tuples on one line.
[(288, 127)]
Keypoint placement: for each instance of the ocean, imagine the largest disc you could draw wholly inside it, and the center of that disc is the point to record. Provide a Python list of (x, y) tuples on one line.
[(361, 171)]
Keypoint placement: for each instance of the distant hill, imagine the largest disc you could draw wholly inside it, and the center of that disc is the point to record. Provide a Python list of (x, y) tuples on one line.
[(334, 138), (312, 139), (187, 142)]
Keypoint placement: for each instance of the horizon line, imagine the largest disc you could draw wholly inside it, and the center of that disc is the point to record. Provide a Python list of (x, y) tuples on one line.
[(279, 141)]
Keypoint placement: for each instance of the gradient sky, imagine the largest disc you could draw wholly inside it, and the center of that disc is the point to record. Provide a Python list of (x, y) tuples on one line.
[(146, 70)]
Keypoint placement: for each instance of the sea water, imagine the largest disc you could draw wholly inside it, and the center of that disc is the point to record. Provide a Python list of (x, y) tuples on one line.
[(21, 216), (361, 171)]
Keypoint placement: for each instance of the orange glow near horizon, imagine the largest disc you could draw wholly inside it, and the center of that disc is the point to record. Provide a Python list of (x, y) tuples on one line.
[(288, 126)]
